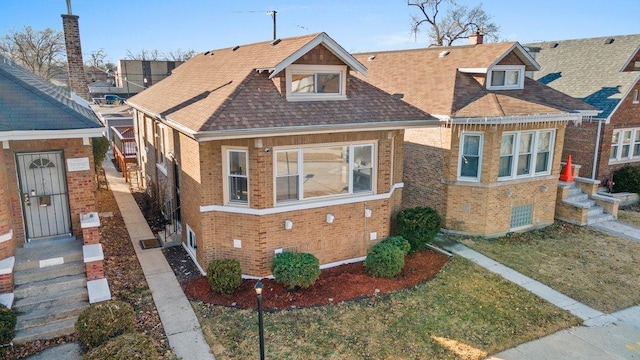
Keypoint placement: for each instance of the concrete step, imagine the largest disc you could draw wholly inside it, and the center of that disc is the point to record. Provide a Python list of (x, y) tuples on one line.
[(599, 218), (50, 272), (575, 190), (42, 317), (50, 241), (594, 211), (61, 251), (48, 331), (585, 204), (41, 288), (52, 300)]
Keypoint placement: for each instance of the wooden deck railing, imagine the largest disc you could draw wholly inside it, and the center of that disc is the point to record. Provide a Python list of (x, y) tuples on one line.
[(124, 147)]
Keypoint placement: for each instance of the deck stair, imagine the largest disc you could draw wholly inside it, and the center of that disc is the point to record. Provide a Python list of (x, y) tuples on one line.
[(50, 288)]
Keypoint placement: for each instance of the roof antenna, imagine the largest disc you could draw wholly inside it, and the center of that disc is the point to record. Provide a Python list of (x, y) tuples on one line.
[(273, 16), (69, 7)]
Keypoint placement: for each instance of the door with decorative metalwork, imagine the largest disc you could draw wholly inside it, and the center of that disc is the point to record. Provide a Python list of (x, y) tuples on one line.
[(43, 188)]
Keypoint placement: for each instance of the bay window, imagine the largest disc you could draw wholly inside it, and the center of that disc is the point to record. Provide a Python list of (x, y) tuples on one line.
[(469, 161), (323, 171), (525, 153)]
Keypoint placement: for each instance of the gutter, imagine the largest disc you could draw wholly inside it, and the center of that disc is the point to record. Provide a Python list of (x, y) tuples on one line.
[(51, 134)]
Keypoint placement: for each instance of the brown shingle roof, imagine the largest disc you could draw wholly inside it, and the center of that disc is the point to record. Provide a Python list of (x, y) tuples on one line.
[(225, 90), (431, 80)]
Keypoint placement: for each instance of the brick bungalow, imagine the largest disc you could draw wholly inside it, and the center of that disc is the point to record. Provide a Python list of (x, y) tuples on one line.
[(493, 167), (274, 146), (47, 169), (604, 72)]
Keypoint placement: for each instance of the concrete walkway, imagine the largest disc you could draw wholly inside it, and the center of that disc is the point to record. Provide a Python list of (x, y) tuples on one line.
[(178, 319), (603, 336)]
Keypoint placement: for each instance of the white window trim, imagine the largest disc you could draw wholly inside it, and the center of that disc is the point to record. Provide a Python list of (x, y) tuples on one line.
[(225, 176), (313, 69), (299, 149), (519, 68), (160, 144), (631, 158), (636, 100), (534, 154), (461, 152)]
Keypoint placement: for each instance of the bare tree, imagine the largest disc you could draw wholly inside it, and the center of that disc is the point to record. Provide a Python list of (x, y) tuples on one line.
[(98, 58), (39, 51), (179, 55), (449, 21), (145, 54)]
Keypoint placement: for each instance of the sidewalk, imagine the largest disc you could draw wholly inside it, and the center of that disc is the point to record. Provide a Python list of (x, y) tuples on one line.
[(178, 319), (603, 336)]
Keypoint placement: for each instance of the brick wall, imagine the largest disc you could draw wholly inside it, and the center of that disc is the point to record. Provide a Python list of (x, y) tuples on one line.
[(77, 76), (580, 142), (95, 270), (81, 185), (7, 247), (6, 283)]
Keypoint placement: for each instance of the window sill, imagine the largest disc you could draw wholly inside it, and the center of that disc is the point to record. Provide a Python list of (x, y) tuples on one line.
[(316, 97), (624, 161)]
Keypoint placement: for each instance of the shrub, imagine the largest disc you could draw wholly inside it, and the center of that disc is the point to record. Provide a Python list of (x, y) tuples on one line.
[(295, 269), (7, 324), (100, 147), (125, 347), (224, 275), (419, 226), (103, 321), (400, 242), (627, 179), (384, 260)]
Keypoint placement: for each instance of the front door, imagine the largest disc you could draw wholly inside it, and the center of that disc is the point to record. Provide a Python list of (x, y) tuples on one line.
[(43, 188)]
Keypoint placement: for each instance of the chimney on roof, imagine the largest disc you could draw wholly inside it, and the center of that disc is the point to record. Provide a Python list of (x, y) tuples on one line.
[(77, 77), (476, 38)]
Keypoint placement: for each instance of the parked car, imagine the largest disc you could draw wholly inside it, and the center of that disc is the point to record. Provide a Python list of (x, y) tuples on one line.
[(114, 99)]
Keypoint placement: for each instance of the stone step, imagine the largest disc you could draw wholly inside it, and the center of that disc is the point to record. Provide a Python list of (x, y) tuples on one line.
[(42, 288), (56, 252), (575, 190), (44, 316), (48, 331), (585, 204), (599, 218), (49, 272), (50, 241), (33, 303)]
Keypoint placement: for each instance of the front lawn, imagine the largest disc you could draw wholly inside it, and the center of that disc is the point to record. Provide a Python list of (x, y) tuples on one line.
[(593, 267), (466, 312), (630, 216)]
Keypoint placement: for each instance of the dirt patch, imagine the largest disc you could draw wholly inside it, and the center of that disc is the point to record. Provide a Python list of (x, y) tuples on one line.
[(337, 284)]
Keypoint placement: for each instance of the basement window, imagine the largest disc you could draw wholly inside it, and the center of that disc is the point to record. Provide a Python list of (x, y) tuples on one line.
[(521, 216)]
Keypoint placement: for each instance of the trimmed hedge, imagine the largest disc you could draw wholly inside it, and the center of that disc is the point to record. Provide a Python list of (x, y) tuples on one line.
[(224, 275), (125, 347), (627, 179), (103, 321), (8, 321), (295, 269), (100, 147), (384, 259), (399, 242), (419, 226)]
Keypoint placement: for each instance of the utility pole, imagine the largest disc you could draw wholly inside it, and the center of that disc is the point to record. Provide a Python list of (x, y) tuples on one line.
[(273, 16)]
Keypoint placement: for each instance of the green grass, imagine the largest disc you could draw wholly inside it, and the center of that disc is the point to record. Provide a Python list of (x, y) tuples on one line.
[(466, 312), (595, 268), (629, 217)]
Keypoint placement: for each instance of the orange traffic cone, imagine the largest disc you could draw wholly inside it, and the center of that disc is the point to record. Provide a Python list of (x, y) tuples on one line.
[(567, 173)]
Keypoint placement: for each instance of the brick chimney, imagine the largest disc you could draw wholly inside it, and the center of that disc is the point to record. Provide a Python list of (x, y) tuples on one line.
[(476, 38), (77, 77)]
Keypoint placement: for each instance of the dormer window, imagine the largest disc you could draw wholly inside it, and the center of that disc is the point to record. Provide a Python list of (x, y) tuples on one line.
[(316, 82), (506, 77)]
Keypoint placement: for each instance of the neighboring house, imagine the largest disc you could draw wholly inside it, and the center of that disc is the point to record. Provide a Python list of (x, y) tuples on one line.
[(47, 216), (493, 167), (605, 73), (271, 147), (133, 76)]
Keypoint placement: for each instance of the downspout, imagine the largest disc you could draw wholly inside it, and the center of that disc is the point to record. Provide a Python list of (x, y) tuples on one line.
[(597, 150)]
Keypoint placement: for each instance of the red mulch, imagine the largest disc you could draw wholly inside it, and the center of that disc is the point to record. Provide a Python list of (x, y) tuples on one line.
[(340, 283)]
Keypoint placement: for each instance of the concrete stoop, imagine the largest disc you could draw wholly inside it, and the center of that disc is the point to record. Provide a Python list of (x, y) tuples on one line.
[(50, 289), (590, 213)]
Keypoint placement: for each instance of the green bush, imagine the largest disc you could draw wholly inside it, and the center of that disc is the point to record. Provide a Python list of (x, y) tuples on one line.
[(295, 269), (419, 226), (7, 324), (627, 179), (384, 260), (399, 242), (224, 275), (100, 147), (103, 321), (125, 347)]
